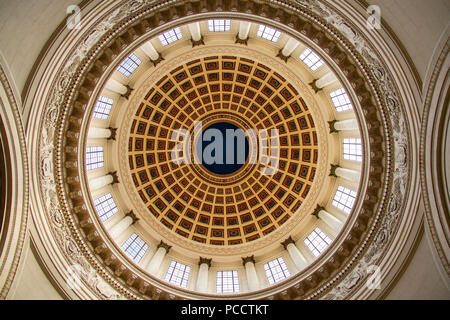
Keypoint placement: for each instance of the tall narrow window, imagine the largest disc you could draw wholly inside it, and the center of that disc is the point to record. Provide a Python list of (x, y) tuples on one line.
[(135, 247), (352, 149), (170, 36), (276, 270), (219, 25), (317, 241), (227, 282), (105, 207), (341, 100), (103, 108), (344, 199), (128, 65), (311, 59), (268, 33), (178, 274), (94, 157)]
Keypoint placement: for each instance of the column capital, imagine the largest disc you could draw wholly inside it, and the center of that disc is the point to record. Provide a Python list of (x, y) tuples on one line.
[(282, 56), (317, 210), (286, 242), (248, 259), (314, 86), (241, 41), (205, 261), (127, 94), (113, 134), (164, 245), (333, 169), (332, 128), (113, 174), (155, 62), (198, 42), (132, 216)]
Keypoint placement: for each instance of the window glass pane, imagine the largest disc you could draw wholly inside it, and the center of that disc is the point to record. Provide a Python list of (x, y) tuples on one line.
[(352, 149), (170, 36), (178, 274), (129, 65), (341, 100), (268, 33), (103, 108), (219, 25), (227, 282), (311, 59), (135, 247), (105, 207), (344, 199), (276, 270), (94, 157), (317, 241)]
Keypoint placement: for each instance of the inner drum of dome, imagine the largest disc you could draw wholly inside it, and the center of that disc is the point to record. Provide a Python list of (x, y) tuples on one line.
[(222, 205)]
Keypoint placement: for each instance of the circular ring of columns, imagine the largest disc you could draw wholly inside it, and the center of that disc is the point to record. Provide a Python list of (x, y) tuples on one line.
[(137, 285)]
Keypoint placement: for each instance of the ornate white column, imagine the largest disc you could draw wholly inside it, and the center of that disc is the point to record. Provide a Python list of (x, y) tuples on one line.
[(347, 174), (333, 222), (119, 228), (150, 51), (244, 29), (116, 87), (294, 253), (343, 125), (102, 133), (194, 29), (252, 277), (203, 272), (100, 182), (326, 80), (289, 47), (157, 259)]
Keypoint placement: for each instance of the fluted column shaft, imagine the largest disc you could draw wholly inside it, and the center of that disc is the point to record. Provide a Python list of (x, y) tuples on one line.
[(119, 228), (252, 276), (244, 29), (346, 125), (326, 80), (350, 175), (100, 182), (194, 29), (202, 278), (330, 220), (289, 47), (99, 133), (150, 51), (116, 86), (296, 256)]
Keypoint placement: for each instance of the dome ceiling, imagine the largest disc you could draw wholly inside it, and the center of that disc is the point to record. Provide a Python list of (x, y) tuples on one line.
[(211, 208)]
